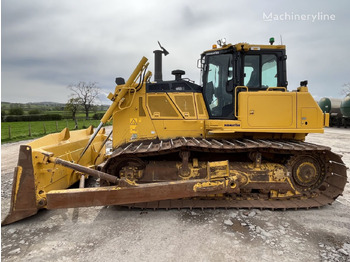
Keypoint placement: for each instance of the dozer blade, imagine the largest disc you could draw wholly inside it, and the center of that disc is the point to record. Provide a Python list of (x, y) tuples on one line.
[(23, 201), (35, 176), (46, 171)]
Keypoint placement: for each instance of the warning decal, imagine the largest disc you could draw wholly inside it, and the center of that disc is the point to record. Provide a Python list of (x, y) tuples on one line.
[(133, 125)]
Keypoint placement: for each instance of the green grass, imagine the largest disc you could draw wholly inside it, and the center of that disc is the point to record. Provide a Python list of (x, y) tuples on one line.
[(20, 130)]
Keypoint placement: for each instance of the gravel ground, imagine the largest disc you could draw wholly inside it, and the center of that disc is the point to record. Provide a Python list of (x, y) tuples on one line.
[(118, 234)]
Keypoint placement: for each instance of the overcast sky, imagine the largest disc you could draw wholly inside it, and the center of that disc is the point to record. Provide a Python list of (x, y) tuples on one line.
[(47, 45)]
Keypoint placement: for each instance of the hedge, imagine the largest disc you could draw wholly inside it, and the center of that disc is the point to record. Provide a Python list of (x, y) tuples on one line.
[(22, 118), (98, 116)]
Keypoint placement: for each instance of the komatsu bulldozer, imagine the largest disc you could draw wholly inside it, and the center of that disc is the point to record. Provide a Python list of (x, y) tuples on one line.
[(234, 141)]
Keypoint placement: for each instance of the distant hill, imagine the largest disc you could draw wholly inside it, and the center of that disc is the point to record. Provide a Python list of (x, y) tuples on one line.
[(45, 103), (44, 106), (28, 106)]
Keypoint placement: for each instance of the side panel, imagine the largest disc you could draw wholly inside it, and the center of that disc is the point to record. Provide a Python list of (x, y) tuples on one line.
[(133, 123), (310, 115), (179, 128), (162, 115), (184, 102), (201, 109), (160, 106), (267, 109), (176, 114)]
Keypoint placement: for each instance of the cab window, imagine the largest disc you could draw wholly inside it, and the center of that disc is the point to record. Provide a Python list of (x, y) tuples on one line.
[(260, 71), (218, 74), (269, 71), (252, 71)]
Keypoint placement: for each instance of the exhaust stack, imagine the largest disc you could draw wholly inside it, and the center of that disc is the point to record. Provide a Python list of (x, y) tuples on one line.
[(158, 76)]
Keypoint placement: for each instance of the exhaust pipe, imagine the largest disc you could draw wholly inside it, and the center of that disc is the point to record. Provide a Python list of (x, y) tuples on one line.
[(158, 76)]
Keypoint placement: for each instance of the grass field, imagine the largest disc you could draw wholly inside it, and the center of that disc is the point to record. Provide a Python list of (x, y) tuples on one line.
[(16, 131)]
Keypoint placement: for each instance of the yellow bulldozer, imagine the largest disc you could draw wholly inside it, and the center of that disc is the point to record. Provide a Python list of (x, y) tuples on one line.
[(234, 141)]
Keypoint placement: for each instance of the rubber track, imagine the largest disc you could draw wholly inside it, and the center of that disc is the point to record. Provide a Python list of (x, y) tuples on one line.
[(334, 182)]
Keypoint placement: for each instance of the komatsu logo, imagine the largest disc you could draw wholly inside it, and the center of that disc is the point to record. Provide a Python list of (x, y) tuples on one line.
[(232, 124)]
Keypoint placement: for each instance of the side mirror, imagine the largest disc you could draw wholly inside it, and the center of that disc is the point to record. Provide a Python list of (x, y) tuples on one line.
[(119, 81), (200, 63), (303, 83)]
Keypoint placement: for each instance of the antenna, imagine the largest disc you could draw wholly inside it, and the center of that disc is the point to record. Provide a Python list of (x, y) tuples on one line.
[(281, 39)]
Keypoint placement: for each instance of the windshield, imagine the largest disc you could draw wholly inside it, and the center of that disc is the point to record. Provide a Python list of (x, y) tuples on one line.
[(218, 74)]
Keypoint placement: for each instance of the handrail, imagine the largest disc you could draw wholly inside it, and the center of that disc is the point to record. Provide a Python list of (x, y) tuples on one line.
[(119, 98), (277, 88), (236, 98), (119, 95)]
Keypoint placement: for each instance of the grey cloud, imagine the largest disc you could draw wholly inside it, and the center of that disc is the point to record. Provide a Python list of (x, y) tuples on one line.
[(47, 45)]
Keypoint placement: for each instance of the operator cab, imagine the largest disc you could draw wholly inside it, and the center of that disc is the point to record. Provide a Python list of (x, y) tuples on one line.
[(230, 69)]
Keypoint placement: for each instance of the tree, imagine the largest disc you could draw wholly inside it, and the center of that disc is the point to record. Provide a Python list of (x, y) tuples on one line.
[(3, 114), (346, 89), (73, 106), (87, 93), (34, 112), (18, 111)]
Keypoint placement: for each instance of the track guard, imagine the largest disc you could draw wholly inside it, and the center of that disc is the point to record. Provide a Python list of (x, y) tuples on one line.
[(23, 201)]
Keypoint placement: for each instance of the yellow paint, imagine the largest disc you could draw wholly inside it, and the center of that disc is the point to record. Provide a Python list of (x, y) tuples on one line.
[(133, 125), (303, 178), (66, 145), (272, 113), (208, 186), (124, 122), (161, 106), (185, 104), (120, 92), (202, 112), (17, 182), (133, 121), (247, 47), (218, 170), (267, 109), (309, 116), (138, 115)]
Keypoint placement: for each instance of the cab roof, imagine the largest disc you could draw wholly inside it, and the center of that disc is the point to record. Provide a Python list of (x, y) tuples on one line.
[(244, 47)]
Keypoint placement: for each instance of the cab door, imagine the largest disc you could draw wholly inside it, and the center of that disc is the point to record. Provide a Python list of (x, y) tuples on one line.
[(218, 86)]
